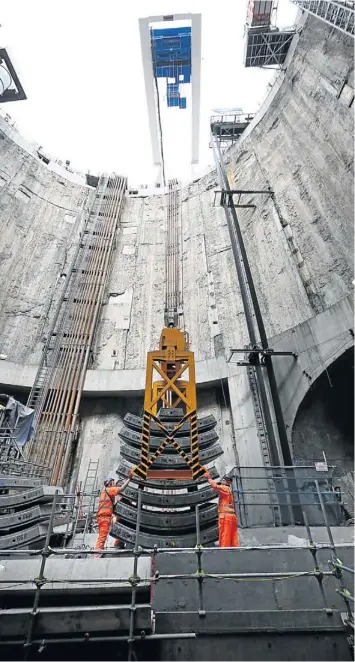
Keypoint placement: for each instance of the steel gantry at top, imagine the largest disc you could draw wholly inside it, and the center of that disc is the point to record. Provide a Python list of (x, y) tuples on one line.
[(265, 44), (173, 53)]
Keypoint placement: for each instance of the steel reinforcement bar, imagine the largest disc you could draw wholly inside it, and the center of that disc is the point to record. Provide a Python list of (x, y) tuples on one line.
[(57, 422), (51, 422)]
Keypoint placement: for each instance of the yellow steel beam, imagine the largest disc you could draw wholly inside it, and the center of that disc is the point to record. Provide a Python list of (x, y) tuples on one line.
[(171, 361)]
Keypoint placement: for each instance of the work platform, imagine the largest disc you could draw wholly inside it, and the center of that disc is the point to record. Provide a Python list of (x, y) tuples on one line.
[(229, 127), (285, 593), (337, 13), (267, 46), (285, 590), (199, 601)]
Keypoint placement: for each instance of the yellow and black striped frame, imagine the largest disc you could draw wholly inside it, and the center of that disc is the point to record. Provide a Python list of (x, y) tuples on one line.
[(172, 361)]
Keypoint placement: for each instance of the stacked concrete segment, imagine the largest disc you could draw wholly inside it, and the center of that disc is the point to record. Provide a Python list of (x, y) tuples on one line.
[(26, 511), (168, 514)]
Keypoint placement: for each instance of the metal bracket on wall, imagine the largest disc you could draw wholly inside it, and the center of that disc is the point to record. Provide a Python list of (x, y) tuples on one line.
[(257, 355), (11, 94), (226, 197)]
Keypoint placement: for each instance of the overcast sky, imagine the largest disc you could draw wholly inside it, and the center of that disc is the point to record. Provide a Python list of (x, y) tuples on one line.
[(79, 62)]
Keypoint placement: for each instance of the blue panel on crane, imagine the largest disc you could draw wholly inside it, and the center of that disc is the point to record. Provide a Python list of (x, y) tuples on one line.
[(186, 71), (173, 90), (171, 54)]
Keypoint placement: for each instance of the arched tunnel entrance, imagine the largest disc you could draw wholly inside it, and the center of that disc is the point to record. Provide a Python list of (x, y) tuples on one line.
[(325, 422)]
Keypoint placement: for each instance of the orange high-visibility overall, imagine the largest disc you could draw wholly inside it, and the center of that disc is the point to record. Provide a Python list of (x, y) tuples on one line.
[(104, 514), (227, 519)]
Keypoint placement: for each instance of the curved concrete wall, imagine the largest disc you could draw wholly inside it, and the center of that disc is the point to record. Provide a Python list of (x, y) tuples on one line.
[(300, 244), (40, 214)]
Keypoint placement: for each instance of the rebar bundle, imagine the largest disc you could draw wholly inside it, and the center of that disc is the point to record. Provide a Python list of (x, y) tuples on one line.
[(58, 387)]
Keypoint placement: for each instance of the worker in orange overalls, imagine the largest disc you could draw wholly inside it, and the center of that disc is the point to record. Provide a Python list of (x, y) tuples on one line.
[(105, 509), (227, 519)]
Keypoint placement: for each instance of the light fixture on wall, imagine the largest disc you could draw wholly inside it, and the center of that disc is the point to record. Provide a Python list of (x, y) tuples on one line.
[(10, 86)]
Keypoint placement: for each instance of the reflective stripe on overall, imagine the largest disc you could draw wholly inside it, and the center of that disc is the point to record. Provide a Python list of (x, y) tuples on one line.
[(106, 503), (227, 520), (226, 501)]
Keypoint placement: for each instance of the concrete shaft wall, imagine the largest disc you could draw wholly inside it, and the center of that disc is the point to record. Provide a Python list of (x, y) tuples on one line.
[(40, 214), (299, 242), (303, 150)]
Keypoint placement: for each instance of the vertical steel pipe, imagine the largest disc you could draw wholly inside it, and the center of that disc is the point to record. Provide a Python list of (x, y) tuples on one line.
[(58, 419)]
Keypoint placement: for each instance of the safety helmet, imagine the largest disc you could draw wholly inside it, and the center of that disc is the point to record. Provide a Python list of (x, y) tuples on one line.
[(108, 479), (227, 478)]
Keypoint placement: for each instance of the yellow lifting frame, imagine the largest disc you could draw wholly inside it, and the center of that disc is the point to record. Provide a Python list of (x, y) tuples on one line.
[(171, 361)]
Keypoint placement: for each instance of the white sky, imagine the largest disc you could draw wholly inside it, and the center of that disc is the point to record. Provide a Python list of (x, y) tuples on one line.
[(79, 62)]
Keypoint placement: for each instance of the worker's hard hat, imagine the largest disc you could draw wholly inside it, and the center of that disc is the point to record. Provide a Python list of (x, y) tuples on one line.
[(108, 479), (227, 478)]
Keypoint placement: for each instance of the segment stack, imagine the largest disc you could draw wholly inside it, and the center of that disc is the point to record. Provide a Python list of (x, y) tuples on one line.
[(168, 516)]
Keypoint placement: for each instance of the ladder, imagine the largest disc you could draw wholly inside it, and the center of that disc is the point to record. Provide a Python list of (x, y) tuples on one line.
[(61, 322), (38, 386), (264, 443), (90, 494)]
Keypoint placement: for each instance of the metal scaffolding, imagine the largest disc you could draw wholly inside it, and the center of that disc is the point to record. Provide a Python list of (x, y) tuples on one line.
[(229, 127), (267, 46), (134, 581), (12, 462), (337, 13)]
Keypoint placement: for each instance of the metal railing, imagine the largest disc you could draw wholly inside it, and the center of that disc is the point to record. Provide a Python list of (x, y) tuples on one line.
[(258, 491), (12, 462), (235, 118), (25, 470), (8, 446), (254, 502), (339, 14), (337, 569)]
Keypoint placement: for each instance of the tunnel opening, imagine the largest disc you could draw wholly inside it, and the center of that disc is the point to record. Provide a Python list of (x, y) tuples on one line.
[(325, 423)]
